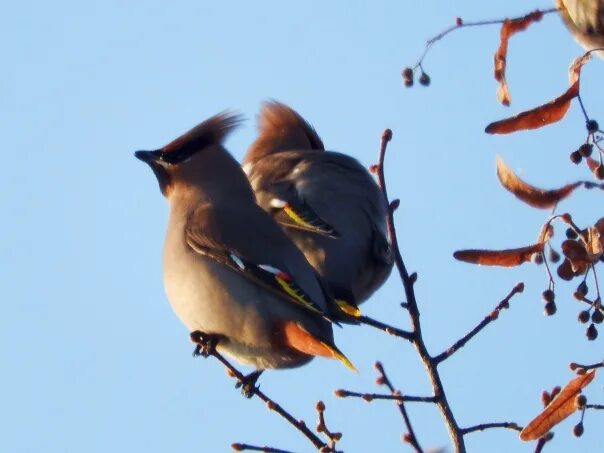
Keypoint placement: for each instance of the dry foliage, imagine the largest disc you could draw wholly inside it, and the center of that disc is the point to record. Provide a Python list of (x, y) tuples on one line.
[(545, 114), (531, 195), (563, 405), (509, 27)]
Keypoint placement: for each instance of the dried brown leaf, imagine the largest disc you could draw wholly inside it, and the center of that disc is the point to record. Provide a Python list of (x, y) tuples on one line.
[(558, 409), (592, 164), (505, 258), (531, 195), (545, 233), (509, 27), (593, 244), (545, 114), (575, 252)]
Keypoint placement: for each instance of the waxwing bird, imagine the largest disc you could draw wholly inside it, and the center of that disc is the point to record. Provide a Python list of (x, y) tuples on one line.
[(585, 21), (228, 269), (326, 201)]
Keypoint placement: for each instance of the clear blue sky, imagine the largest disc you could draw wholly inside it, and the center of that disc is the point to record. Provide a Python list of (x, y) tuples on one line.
[(94, 359)]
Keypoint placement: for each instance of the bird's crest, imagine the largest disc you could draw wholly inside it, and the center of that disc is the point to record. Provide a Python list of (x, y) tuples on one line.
[(280, 128), (211, 132)]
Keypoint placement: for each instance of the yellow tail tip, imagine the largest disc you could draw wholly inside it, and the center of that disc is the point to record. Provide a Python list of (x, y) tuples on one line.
[(338, 355), (348, 308)]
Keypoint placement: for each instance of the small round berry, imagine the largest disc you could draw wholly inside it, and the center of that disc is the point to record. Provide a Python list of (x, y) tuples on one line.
[(585, 149), (592, 126), (580, 401), (571, 234), (578, 429), (582, 288), (575, 157), (597, 316), (550, 308), (579, 296), (548, 295), (583, 316), (554, 256), (407, 75), (424, 79), (591, 333), (538, 258)]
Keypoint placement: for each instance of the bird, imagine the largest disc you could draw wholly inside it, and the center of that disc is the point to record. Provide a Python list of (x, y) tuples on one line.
[(584, 19), (229, 271), (327, 202)]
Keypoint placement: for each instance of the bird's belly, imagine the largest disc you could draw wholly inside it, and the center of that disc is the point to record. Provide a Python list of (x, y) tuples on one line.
[(226, 304)]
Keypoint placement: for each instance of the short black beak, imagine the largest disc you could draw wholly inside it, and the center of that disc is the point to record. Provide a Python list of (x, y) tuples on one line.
[(149, 157)]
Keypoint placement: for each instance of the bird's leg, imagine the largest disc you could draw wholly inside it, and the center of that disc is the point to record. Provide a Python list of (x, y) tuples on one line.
[(248, 383), (205, 343)]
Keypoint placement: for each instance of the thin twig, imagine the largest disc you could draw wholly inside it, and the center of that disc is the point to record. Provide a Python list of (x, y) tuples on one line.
[(247, 447), (431, 367), (368, 397), (595, 406), (573, 366), (505, 303), (410, 437), (483, 426), (322, 427), (390, 330), (210, 350), (461, 24)]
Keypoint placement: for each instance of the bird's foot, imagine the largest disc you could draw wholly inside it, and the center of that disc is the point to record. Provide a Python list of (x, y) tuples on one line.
[(248, 383), (205, 343)]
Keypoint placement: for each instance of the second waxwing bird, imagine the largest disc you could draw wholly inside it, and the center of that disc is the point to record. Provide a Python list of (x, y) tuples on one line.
[(229, 270), (327, 203), (584, 19)]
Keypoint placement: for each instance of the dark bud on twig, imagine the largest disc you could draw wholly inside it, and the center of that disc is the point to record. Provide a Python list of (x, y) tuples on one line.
[(339, 393), (548, 295), (387, 135), (597, 317), (554, 256), (237, 447), (582, 288), (581, 401), (592, 126), (458, 21), (407, 75), (550, 308), (537, 258), (394, 204), (585, 149), (578, 429), (424, 79), (583, 316), (545, 398), (575, 157), (591, 333), (320, 406), (413, 277)]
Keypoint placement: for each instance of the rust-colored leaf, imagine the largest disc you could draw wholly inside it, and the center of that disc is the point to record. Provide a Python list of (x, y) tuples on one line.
[(565, 271), (593, 244), (558, 409), (509, 27), (505, 258), (592, 164), (575, 252), (545, 233), (531, 195), (545, 114)]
